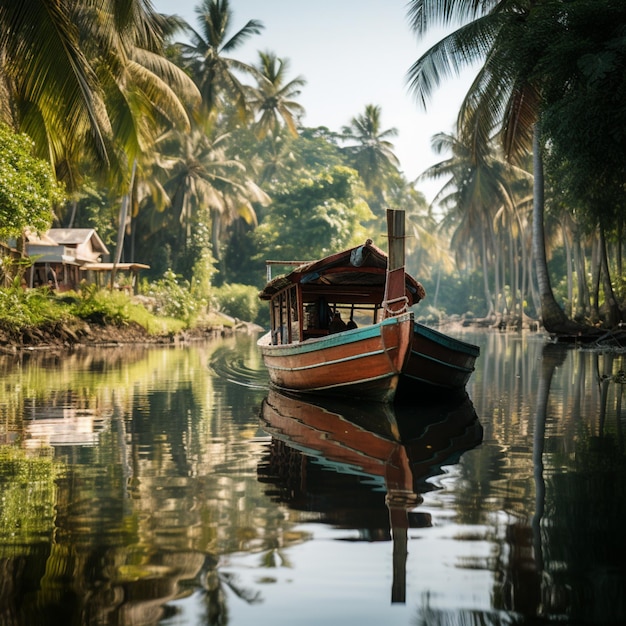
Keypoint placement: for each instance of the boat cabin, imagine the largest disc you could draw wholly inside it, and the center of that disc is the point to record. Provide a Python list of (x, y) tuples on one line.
[(341, 291)]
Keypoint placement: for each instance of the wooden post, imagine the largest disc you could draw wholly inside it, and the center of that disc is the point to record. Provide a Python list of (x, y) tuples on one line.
[(395, 300)]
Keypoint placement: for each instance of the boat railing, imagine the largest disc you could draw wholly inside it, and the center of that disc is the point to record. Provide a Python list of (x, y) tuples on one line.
[(270, 264)]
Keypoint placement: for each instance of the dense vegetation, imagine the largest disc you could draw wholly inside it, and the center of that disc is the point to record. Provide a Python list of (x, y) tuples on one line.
[(184, 157)]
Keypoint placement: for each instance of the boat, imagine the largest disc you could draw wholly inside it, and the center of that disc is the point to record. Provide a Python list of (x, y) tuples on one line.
[(386, 450), (438, 364), (311, 348)]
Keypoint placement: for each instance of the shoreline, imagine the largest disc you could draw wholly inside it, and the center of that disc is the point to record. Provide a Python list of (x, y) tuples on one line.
[(68, 337)]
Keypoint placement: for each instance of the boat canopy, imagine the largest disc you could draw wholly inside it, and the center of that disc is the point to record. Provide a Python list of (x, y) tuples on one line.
[(358, 270)]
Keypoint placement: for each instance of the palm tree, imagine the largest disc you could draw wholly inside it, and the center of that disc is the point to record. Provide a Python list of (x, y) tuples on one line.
[(202, 178), (88, 81), (273, 97), (145, 94), (504, 97), (50, 90), (205, 57), (372, 153), (472, 194)]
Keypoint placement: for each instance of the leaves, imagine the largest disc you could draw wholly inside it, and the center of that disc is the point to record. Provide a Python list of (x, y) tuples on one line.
[(28, 187)]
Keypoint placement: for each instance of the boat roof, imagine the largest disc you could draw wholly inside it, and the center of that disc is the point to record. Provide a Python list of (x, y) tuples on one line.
[(363, 266)]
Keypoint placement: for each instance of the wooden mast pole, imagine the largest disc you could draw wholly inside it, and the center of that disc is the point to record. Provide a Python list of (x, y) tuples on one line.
[(395, 300)]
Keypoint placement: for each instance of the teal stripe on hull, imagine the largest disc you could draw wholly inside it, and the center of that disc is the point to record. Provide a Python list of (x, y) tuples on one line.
[(323, 343), (443, 340)]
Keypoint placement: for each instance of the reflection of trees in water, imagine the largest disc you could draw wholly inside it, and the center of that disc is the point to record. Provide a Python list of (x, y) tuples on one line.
[(551, 469), (582, 533), (562, 559), (143, 515)]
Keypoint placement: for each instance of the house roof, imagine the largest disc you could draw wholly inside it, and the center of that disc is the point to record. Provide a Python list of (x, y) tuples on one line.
[(77, 236), (38, 238), (108, 267)]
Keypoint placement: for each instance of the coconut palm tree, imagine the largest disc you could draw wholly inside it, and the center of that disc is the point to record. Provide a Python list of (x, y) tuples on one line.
[(371, 153), (145, 93), (273, 98), (472, 194), (504, 97), (50, 90), (206, 56), (202, 178), (88, 81)]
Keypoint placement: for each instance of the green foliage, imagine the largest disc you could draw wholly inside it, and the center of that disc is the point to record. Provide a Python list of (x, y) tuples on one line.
[(99, 306), (40, 308), (21, 308), (202, 275), (240, 301), (453, 293), (313, 217), (28, 494), (173, 298), (28, 187), (584, 115)]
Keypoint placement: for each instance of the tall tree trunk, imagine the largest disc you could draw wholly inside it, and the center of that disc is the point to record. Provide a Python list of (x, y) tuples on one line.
[(583, 304), (485, 264), (570, 275), (595, 280), (553, 318), (610, 301), (124, 207)]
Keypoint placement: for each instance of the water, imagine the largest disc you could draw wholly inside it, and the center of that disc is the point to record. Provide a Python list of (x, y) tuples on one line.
[(165, 486)]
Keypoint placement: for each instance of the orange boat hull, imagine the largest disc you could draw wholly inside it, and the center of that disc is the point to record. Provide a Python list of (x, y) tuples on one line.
[(364, 363)]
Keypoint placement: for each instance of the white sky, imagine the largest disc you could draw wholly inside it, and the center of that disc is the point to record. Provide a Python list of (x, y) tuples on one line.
[(352, 53)]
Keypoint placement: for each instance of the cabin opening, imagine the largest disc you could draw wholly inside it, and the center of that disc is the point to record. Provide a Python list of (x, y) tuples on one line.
[(285, 317)]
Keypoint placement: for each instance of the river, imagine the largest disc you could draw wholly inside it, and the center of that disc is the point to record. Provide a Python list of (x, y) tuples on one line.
[(165, 485)]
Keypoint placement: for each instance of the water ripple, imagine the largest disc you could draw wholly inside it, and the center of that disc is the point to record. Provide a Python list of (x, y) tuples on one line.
[(246, 370)]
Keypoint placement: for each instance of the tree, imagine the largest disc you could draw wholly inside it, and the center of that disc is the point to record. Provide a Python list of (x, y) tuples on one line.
[(206, 60), (272, 99), (477, 194), (313, 217), (584, 119), (203, 184), (371, 155), (50, 90), (504, 97), (28, 187)]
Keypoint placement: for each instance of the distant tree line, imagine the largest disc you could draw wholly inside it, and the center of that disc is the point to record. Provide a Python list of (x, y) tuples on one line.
[(184, 157)]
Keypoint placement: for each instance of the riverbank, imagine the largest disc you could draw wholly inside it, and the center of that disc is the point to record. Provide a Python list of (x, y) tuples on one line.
[(70, 334)]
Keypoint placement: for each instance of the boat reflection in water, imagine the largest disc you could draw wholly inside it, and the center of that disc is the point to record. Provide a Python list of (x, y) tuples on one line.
[(339, 460)]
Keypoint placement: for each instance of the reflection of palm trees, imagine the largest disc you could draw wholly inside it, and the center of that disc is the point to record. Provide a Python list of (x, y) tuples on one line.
[(522, 586), (214, 583)]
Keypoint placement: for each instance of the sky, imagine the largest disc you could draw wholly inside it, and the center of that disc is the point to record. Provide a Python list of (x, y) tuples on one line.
[(351, 53)]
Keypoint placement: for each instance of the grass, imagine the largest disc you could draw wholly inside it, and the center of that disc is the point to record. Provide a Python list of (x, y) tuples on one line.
[(40, 308)]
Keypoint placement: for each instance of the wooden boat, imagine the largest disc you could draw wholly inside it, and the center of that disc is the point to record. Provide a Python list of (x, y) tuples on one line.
[(386, 448), (438, 363), (310, 349)]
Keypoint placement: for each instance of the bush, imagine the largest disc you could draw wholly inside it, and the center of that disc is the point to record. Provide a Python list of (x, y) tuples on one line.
[(20, 308), (173, 298), (98, 306), (236, 300)]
